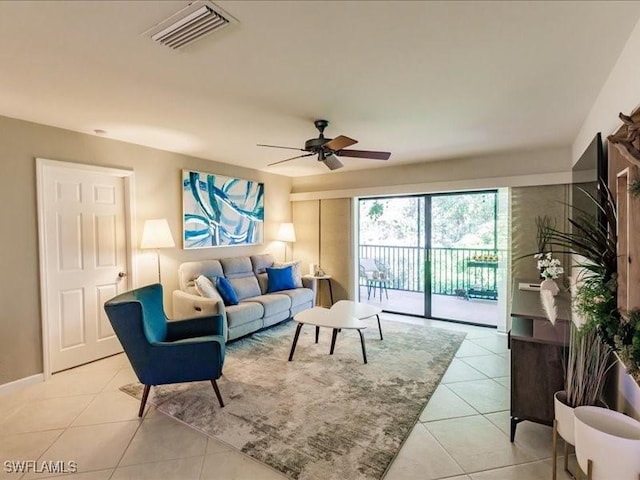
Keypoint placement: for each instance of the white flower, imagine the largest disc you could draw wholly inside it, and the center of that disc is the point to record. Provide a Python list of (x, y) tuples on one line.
[(549, 267)]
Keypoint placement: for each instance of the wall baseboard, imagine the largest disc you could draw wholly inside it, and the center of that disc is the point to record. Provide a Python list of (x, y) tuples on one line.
[(21, 383)]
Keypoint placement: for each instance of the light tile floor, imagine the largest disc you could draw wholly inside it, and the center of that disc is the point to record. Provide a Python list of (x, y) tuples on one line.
[(81, 415)]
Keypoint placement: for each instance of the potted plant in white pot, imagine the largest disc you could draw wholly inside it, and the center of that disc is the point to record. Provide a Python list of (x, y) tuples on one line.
[(595, 319), (586, 369)]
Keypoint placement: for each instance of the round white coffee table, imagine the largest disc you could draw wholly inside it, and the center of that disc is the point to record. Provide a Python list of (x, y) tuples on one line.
[(324, 317), (358, 310)]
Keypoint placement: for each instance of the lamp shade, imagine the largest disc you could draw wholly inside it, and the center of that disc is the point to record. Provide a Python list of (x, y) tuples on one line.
[(286, 233), (157, 234)]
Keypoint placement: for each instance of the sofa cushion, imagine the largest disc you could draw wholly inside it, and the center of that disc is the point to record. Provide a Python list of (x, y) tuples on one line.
[(298, 296), (189, 271), (263, 281), (226, 291), (206, 288), (244, 312), (236, 267), (272, 303), (261, 262), (280, 279), (245, 287), (297, 271)]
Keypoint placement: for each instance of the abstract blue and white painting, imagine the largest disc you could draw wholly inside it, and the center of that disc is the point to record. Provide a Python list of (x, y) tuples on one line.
[(221, 211)]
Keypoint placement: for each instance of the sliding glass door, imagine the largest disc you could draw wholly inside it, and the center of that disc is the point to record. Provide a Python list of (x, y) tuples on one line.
[(392, 253), (464, 257), (431, 255)]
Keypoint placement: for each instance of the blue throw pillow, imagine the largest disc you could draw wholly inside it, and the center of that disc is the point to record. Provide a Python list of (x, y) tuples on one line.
[(280, 279), (226, 291)]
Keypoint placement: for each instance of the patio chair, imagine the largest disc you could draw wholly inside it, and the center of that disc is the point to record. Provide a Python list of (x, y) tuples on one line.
[(163, 352), (376, 277)]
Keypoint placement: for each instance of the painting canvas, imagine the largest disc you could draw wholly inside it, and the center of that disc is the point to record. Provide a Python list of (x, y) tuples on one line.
[(221, 211)]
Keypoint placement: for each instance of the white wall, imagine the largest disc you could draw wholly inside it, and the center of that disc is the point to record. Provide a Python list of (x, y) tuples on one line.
[(620, 93)]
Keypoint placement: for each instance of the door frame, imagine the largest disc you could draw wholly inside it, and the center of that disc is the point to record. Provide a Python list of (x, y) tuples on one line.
[(128, 177), (424, 232)]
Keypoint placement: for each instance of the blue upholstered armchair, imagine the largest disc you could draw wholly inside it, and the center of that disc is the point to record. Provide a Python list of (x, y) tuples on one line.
[(164, 352)]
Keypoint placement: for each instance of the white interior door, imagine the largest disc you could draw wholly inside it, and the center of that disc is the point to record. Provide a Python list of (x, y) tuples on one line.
[(84, 245)]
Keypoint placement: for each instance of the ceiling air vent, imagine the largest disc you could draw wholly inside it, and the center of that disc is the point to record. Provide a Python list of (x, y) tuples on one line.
[(190, 24)]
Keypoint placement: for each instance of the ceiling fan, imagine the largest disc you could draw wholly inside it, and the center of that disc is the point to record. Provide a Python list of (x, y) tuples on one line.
[(328, 149)]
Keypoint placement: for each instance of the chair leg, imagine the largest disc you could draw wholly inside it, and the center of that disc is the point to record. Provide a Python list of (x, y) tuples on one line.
[(379, 327), (589, 469), (143, 402), (566, 457), (215, 389)]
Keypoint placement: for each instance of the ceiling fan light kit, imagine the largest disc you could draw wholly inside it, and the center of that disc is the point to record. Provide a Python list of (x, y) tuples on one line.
[(332, 162), (328, 149)]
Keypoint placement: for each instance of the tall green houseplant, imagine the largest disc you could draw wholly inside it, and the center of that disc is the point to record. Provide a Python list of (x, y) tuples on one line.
[(593, 241)]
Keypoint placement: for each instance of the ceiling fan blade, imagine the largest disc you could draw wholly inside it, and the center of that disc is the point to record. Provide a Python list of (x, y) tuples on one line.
[(332, 162), (292, 158), (278, 146), (364, 154), (339, 143)]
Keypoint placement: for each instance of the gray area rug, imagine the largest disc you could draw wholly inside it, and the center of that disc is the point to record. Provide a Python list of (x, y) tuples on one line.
[(319, 416)]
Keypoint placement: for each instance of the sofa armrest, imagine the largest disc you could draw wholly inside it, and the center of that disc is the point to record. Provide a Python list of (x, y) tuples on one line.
[(311, 282), (188, 305)]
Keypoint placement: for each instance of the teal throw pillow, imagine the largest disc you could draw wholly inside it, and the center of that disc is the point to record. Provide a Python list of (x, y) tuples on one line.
[(280, 279), (226, 291)]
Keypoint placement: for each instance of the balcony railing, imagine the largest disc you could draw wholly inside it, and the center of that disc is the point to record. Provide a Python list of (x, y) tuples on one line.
[(454, 271)]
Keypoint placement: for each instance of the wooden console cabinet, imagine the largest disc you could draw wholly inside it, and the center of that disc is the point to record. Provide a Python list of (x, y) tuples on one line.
[(538, 355)]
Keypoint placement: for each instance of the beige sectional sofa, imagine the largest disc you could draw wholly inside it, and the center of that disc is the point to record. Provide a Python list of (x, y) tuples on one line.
[(256, 308)]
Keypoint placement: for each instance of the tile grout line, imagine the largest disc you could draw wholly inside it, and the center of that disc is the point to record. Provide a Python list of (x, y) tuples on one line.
[(204, 457), (487, 376), (474, 408), (62, 430), (124, 451), (448, 418), (448, 453)]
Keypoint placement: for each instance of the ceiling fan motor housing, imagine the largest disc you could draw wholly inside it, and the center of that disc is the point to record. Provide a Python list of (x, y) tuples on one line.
[(315, 144)]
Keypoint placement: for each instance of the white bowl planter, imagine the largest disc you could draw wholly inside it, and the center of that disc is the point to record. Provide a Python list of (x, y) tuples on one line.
[(564, 417), (607, 444), (563, 425)]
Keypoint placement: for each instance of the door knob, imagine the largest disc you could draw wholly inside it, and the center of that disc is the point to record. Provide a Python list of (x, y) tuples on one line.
[(122, 274)]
